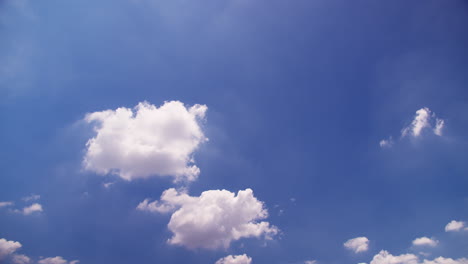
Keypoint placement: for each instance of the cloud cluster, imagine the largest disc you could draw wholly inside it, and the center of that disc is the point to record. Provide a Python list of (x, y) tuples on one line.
[(455, 226), (8, 249), (239, 259), (423, 120), (358, 244), (384, 257), (27, 210), (214, 219), (425, 241), (146, 141)]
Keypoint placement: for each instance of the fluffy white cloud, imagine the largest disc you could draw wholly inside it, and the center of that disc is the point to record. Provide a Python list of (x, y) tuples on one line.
[(239, 259), (386, 258), (425, 241), (8, 247), (424, 118), (213, 219), (56, 260), (5, 204), (310, 262), (20, 259), (455, 226), (146, 141), (32, 209), (358, 244)]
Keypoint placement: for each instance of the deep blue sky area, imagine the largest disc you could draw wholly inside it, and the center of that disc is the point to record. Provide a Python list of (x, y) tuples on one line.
[(299, 95)]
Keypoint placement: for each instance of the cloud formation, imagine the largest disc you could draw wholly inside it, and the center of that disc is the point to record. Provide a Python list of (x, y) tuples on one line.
[(384, 257), (214, 219), (5, 204), (455, 226), (8, 247), (33, 208), (358, 244), (239, 259), (424, 119), (32, 197), (56, 260), (425, 241), (20, 259), (146, 141)]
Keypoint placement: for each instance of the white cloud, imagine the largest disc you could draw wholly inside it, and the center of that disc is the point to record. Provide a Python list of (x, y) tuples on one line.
[(56, 260), (310, 262), (5, 204), (442, 260), (146, 141), (32, 209), (423, 119), (8, 247), (454, 226), (20, 259), (386, 258), (358, 244), (107, 185), (425, 241), (32, 197), (239, 259), (386, 143), (439, 126), (213, 219)]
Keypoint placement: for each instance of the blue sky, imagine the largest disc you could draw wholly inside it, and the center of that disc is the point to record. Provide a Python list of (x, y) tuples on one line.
[(299, 96)]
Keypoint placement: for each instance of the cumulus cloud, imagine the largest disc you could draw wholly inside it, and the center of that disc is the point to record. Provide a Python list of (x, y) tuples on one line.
[(33, 208), (358, 244), (423, 119), (310, 262), (239, 259), (56, 260), (455, 226), (425, 241), (146, 141), (8, 247), (20, 259), (383, 257), (5, 204), (214, 219)]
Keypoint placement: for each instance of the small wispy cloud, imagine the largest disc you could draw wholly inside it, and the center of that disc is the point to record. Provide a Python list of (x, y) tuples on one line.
[(6, 204), (32, 197), (33, 208)]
